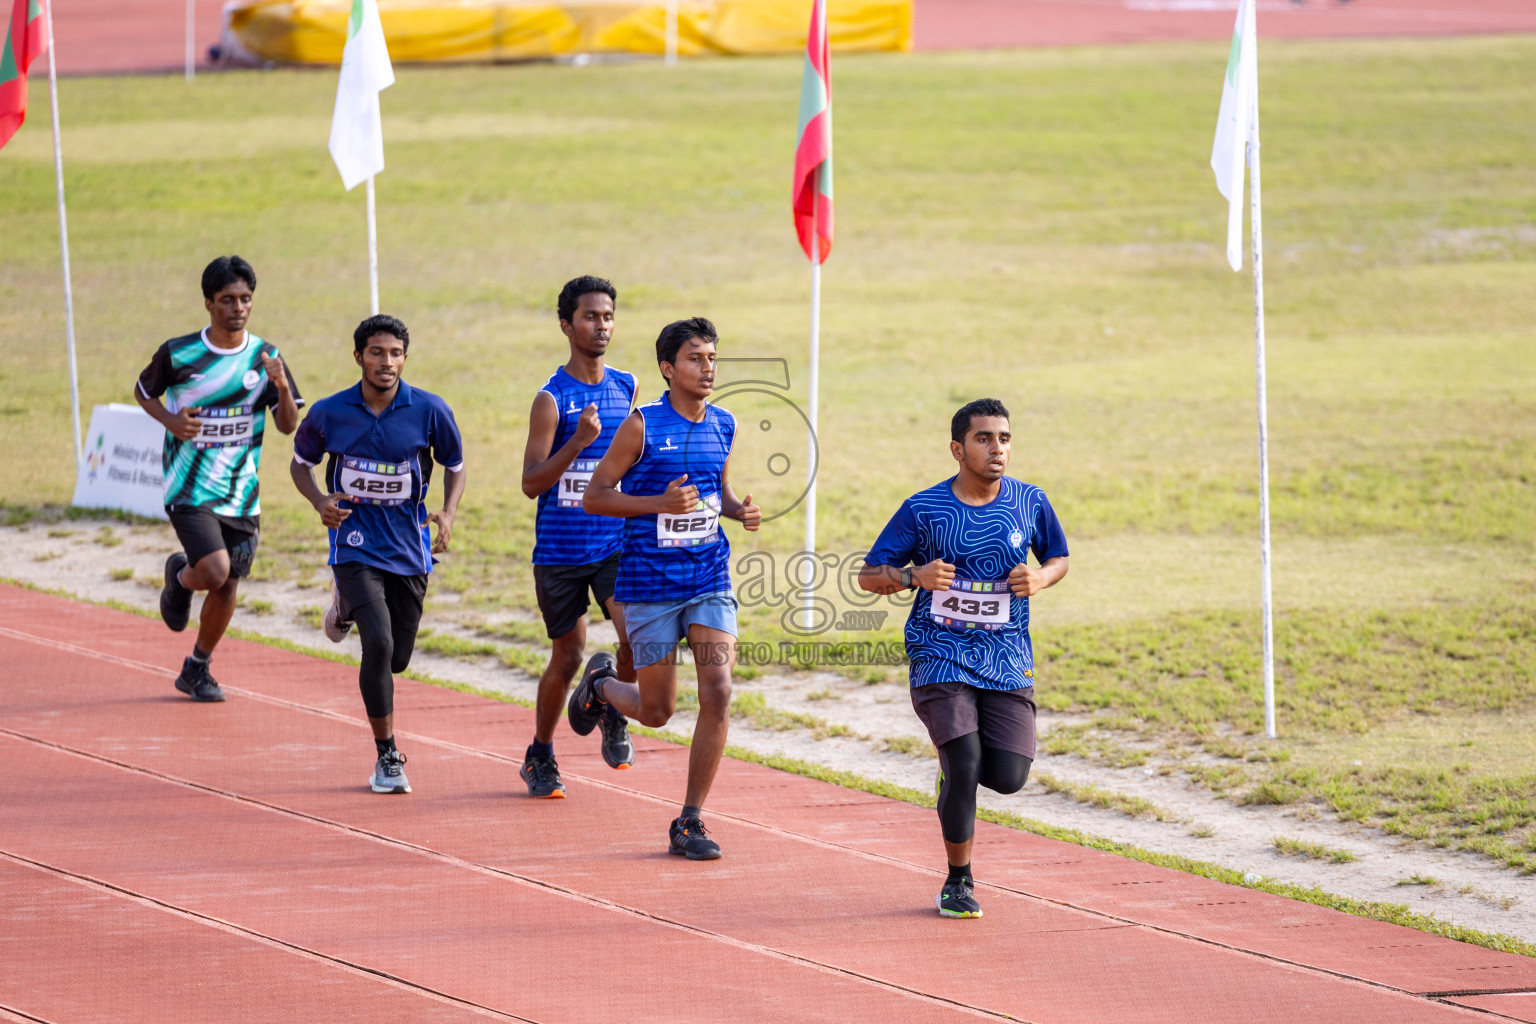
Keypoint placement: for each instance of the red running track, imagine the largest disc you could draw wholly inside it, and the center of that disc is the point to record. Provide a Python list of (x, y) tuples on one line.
[(109, 36), (162, 860)]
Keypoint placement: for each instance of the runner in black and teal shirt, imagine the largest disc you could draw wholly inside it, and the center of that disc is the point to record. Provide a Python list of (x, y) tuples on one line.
[(575, 554), (964, 545), (218, 385)]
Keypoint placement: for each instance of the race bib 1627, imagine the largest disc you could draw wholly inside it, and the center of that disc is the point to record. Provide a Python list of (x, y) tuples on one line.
[(690, 529)]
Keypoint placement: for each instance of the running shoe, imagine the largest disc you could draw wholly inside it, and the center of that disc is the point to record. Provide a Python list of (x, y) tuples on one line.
[(196, 682), (957, 900), (618, 751), (543, 777), (584, 709), (388, 775), (690, 839), (336, 628), (175, 599)]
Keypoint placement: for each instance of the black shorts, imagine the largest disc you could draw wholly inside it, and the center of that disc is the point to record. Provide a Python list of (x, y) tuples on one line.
[(562, 592), (203, 532), (1005, 718), (403, 596)]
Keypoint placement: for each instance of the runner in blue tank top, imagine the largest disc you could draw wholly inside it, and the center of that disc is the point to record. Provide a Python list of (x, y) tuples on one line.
[(667, 475), (575, 415), (965, 543)]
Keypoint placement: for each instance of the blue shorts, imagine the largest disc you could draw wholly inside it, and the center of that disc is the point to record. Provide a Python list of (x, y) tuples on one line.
[(654, 628)]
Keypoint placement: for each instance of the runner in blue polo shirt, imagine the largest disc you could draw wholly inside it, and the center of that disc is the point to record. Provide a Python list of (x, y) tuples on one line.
[(380, 440), (572, 423), (965, 543), (672, 458)]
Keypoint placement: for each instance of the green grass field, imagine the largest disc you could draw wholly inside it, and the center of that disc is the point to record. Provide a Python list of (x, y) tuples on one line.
[(1037, 225)]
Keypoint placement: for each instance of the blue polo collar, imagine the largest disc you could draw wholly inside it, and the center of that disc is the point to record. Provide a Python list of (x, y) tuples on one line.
[(402, 397)]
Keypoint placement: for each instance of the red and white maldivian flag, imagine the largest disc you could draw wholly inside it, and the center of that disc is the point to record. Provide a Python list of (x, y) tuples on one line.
[(813, 152)]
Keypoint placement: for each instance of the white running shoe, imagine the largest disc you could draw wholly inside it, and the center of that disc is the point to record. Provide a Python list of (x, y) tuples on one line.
[(336, 628), (389, 775)]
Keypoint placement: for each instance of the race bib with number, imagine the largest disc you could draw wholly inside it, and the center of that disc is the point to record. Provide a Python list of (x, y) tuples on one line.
[(224, 426), (973, 604), (573, 483), (375, 483), (701, 526)]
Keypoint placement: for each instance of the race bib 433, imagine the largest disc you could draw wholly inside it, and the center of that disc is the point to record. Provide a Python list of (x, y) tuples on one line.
[(972, 604), (690, 529), (375, 483), (225, 425)]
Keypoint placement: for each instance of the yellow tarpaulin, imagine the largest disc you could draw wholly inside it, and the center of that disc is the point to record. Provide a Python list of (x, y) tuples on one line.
[(314, 31)]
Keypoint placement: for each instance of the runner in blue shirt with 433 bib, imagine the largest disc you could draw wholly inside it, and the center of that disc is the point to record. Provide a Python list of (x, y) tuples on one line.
[(965, 543)]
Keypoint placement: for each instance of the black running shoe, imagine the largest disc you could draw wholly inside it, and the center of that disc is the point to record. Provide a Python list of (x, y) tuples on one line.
[(175, 599), (618, 751), (197, 683), (957, 900), (690, 839), (543, 777), (584, 709)]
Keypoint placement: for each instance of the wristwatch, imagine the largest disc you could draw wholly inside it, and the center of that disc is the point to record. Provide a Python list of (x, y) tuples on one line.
[(906, 578)]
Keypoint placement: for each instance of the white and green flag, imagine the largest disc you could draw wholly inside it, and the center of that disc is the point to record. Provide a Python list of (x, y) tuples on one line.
[(1239, 97), (357, 136)]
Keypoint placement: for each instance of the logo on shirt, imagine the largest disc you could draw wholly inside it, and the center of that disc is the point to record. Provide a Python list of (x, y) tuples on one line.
[(250, 379), (355, 539), (1016, 538), (573, 406), (668, 447)]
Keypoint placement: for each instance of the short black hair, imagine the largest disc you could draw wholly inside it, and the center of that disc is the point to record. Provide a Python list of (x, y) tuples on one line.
[(961, 424), (380, 324), (225, 271), (574, 289), (679, 333)]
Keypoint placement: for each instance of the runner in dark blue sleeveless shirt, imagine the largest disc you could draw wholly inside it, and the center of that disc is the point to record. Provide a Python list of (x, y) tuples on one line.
[(575, 416), (667, 475), (965, 543)]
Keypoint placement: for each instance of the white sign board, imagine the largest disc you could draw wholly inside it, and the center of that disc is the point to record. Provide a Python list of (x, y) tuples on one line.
[(121, 467)]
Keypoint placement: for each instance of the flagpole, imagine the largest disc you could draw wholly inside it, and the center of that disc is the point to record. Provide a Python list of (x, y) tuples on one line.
[(810, 492), (1258, 339), (69, 295), (373, 255), (671, 32), (191, 36)]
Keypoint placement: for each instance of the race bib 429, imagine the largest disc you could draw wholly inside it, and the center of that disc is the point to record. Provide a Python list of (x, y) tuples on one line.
[(375, 483), (226, 425), (972, 604)]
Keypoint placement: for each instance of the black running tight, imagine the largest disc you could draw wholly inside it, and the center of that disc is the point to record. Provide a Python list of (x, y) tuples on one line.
[(387, 609), (967, 764)]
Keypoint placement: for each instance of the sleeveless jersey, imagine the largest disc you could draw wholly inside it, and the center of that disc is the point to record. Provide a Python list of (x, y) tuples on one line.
[(676, 558), (217, 469), (565, 534)]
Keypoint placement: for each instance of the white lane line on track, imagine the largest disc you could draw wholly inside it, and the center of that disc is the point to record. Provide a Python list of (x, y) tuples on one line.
[(614, 787), (482, 869), (230, 928)]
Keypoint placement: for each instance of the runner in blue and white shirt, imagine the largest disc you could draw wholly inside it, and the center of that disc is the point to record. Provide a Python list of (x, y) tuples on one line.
[(667, 475), (574, 418), (964, 545), (380, 441)]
